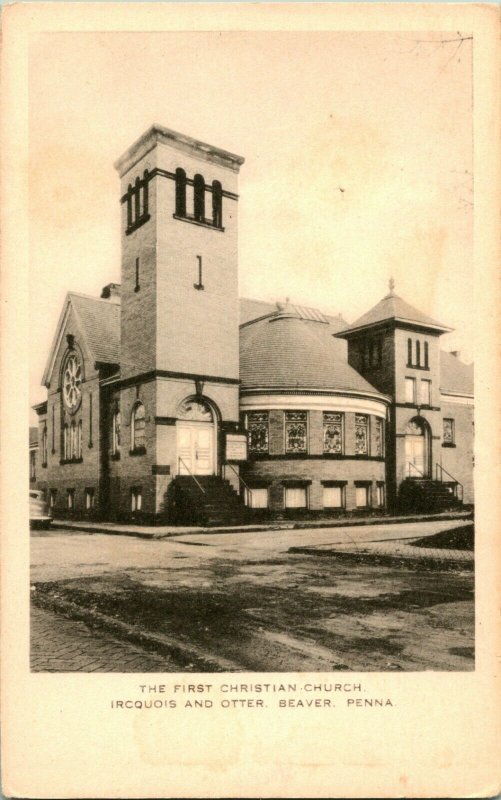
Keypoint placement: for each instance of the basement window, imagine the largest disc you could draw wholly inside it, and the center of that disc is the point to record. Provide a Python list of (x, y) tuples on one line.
[(296, 497), (256, 498), (90, 498), (333, 497), (70, 499), (136, 499), (362, 495)]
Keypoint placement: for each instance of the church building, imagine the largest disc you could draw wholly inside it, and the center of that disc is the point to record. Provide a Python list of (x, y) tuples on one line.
[(169, 399)]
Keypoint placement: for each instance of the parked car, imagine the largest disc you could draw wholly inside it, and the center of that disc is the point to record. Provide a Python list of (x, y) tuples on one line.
[(40, 513)]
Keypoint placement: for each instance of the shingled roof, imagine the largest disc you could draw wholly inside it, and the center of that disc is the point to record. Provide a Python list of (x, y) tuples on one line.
[(285, 351), (394, 308), (100, 322), (456, 377)]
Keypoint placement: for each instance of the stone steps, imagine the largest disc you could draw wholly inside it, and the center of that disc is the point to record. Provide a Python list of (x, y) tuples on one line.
[(217, 505)]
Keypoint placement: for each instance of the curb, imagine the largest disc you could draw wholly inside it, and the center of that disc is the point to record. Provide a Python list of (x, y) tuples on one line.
[(303, 525), (186, 655), (388, 559)]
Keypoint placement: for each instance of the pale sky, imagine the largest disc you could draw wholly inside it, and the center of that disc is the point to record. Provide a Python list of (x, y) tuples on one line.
[(358, 151)]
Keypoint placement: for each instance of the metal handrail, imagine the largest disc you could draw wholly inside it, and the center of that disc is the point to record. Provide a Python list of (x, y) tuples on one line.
[(410, 464), (240, 479), (182, 461), (458, 485)]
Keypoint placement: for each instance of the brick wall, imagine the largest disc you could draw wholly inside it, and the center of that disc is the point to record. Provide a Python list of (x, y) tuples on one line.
[(314, 468), (139, 308), (85, 474), (458, 460)]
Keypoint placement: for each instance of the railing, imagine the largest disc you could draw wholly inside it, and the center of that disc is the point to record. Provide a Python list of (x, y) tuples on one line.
[(413, 466), (247, 488), (185, 465), (457, 486)]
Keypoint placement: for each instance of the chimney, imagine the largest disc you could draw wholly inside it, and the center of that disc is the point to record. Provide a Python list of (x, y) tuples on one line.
[(456, 353), (111, 292)]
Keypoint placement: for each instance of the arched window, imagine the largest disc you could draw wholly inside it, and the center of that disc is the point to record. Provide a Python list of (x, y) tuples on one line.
[(426, 355), (73, 440), (115, 433), (44, 445), (199, 197), (129, 206), (145, 193), (137, 199), (66, 443), (418, 353), (138, 438), (217, 204), (409, 352), (180, 192), (78, 452)]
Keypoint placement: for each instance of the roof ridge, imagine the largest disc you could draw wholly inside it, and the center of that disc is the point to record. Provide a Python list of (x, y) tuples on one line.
[(93, 297)]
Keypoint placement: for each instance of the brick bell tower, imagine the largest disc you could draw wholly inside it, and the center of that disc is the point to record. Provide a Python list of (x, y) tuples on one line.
[(179, 317)]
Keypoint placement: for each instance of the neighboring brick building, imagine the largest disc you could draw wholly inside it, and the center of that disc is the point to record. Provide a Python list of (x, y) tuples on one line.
[(149, 404)]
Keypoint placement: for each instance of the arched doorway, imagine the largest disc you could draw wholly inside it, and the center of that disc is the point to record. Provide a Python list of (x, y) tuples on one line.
[(417, 448), (196, 430)]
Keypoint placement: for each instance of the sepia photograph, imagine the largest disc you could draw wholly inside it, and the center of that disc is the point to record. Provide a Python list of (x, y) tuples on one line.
[(252, 382), (250, 400)]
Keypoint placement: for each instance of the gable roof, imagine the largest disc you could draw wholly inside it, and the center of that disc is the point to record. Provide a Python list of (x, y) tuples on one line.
[(394, 308), (456, 377), (99, 324)]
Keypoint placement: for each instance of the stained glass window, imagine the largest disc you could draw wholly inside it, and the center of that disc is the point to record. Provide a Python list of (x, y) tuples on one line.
[(257, 431), (138, 432), (333, 432), (448, 431), (361, 434), (379, 430), (296, 432)]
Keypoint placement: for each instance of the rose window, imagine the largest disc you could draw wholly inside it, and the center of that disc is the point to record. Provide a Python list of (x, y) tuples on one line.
[(72, 383)]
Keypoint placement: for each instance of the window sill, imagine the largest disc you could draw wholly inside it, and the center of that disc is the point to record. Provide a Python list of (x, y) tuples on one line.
[(448, 444), (417, 366), (44, 465), (205, 223), (64, 461), (137, 451), (115, 457), (137, 224)]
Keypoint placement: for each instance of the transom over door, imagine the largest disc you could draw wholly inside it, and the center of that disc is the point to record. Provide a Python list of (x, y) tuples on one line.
[(195, 448)]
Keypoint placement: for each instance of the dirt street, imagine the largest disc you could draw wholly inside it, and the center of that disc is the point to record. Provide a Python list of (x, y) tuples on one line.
[(249, 602)]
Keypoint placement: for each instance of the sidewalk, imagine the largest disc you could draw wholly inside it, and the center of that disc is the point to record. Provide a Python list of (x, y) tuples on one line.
[(393, 553), (164, 531)]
